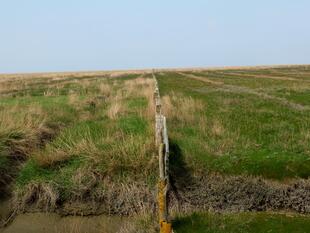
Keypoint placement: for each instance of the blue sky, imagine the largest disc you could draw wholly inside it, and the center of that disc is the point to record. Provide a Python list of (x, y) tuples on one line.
[(72, 35)]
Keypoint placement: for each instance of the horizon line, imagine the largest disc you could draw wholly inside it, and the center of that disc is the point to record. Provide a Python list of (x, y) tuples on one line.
[(155, 69)]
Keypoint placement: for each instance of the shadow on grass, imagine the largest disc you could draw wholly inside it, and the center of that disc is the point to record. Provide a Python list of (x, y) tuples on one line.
[(180, 174)]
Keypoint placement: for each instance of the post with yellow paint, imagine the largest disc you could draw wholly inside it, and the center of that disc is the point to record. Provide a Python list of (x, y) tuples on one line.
[(165, 225)]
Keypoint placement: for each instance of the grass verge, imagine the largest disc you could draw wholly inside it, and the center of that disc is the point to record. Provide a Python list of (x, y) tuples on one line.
[(241, 223)]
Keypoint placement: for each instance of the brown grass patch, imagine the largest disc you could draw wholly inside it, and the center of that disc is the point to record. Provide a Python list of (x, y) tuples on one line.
[(138, 87), (44, 196), (73, 99), (217, 128), (181, 108), (115, 109), (20, 128), (105, 89), (66, 148)]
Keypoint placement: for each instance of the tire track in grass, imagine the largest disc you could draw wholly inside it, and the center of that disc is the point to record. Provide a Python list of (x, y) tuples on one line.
[(262, 76), (203, 79), (245, 90)]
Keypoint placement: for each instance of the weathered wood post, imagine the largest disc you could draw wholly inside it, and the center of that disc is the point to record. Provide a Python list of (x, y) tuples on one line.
[(162, 143)]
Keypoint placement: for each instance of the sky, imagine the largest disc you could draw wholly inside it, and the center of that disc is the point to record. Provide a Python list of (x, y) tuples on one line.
[(80, 35)]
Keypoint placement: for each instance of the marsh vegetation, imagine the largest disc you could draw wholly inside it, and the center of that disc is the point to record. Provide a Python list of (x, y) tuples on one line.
[(83, 144)]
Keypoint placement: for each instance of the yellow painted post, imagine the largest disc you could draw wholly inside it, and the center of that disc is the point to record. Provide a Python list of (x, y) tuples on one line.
[(165, 226)]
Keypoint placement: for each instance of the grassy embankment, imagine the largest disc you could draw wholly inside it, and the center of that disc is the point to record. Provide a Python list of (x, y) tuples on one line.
[(78, 137)]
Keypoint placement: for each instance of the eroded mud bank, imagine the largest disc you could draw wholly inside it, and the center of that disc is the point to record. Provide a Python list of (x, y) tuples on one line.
[(217, 193)]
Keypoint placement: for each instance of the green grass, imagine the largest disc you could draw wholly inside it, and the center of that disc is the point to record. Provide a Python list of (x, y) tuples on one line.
[(60, 176), (241, 223), (258, 136), (84, 139), (136, 103), (301, 97), (74, 138), (133, 125)]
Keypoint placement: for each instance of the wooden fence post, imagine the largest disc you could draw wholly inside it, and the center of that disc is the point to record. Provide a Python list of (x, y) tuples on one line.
[(162, 143)]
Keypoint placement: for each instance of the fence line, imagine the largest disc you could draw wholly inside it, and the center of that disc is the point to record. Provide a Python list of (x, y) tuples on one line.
[(162, 143)]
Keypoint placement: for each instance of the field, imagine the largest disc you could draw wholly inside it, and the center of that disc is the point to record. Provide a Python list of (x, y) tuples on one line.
[(83, 144), (253, 122), (77, 140)]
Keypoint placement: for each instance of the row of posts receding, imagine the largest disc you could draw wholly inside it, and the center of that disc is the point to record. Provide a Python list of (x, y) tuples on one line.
[(162, 144)]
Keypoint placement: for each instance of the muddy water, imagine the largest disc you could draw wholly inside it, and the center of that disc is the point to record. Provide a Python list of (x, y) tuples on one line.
[(4, 208), (53, 223)]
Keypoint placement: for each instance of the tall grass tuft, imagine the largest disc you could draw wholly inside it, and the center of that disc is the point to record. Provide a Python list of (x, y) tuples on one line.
[(181, 108), (20, 129)]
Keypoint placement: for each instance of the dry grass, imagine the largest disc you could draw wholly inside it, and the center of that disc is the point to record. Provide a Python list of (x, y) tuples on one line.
[(8, 86), (105, 89), (115, 108), (73, 99), (181, 108), (70, 145), (120, 152), (45, 196), (49, 92), (217, 128), (131, 153), (65, 148), (84, 180), (139, 87), (20, 128), (90, 148), (148, 92), (188, 111)]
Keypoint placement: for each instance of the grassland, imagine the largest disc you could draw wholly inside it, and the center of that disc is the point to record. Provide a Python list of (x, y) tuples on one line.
[(73, 139), (247, 130), (84, 144), (253, 122)]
